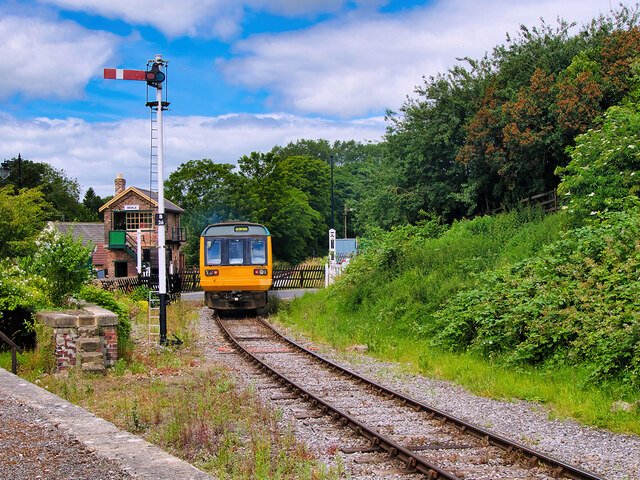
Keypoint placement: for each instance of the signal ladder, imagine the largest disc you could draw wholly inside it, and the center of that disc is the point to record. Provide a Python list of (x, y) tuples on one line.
[(154, 316), (153, 160)]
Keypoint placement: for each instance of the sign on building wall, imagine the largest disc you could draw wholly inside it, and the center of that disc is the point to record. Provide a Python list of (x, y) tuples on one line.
[(132, 207)]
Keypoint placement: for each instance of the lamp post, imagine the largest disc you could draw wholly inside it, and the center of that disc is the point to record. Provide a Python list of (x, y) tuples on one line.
[(5, 170)]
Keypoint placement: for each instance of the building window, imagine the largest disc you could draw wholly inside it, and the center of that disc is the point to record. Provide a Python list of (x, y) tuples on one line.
[(133, 220)]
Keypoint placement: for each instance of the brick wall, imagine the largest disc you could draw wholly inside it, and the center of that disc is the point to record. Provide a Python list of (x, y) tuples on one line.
[(86, 338)]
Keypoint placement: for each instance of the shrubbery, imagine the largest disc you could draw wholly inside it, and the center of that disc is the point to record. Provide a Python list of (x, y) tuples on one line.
[(63, 261), (575, 303)]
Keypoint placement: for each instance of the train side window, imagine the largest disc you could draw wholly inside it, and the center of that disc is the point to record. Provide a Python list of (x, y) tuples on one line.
[(214, 252), (236, 252), (258, 252)]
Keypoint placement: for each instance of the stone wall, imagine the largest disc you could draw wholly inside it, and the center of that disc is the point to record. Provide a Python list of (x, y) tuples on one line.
[(87, 338)]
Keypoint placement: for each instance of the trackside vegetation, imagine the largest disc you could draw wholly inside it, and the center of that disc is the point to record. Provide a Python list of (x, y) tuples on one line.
[(544, 308), (515, 306), (194, 409)]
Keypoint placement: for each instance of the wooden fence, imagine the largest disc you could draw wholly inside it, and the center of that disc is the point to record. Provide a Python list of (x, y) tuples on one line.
[(284, 277), (547, 202), (187, 281)]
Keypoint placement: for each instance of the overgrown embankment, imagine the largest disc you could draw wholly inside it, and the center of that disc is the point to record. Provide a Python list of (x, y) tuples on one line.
[(392, 291), (517, 305)]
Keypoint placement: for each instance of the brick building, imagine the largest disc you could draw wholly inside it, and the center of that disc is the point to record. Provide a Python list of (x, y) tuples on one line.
[(129, 210)]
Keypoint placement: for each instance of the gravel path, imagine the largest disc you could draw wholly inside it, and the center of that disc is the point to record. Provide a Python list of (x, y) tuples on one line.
[(612, 456), (32, 448)]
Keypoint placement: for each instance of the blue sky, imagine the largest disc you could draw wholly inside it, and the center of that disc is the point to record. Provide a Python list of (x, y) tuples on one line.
[(243, 75)]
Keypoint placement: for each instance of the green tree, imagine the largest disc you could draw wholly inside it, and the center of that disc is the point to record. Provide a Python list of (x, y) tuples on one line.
[(423, 143), (207, 191), (92, 204), (312, 177), (284, 209), (63, 261), (22, 218), (59, 190)]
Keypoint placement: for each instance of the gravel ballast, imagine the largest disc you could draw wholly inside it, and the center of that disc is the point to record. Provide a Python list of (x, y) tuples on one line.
[(612, 456)]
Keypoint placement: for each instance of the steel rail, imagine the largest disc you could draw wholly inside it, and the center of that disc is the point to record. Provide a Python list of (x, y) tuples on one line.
[(557, 467), (412, 461)]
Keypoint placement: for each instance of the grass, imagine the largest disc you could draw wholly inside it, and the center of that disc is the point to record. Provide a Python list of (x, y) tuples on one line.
[(390, 295), (191, 409), (566, 393)]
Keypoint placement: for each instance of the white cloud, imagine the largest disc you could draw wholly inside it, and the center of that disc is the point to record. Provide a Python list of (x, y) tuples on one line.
[(95, 152), (217, 18), (42, 58), (362, 64)]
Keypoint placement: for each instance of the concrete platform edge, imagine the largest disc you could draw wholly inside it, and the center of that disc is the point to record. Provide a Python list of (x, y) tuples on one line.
[(136, 456)]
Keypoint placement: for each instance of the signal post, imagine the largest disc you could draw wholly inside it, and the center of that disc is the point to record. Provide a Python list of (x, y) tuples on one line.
[(154, 78)]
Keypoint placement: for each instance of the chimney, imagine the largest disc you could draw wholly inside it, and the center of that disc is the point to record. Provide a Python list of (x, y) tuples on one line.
[(121, 184)]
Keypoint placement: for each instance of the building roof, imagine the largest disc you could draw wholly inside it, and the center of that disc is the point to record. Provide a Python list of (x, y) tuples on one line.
[(89, 231), (149, 195)]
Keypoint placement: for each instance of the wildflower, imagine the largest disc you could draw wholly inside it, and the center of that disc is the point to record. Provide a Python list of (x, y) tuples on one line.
[(591, 194)]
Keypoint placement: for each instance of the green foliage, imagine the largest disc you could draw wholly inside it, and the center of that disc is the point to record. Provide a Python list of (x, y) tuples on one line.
[(92, 204), (139, 294), (20, 289), (575, 303), (603, 172), (63, 261), (108, 300), (492, 131), (61, 192), (391, 291), (207, 191), (22, 218)]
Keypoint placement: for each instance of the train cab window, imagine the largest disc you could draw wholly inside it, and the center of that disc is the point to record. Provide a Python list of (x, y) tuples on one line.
[(236, 252), (214, 252), (258, 252)]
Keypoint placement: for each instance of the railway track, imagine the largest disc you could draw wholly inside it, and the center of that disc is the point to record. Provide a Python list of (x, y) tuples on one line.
[(421, 440)]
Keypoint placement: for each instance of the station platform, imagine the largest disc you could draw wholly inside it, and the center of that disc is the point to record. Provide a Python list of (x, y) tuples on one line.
[(35, 408)]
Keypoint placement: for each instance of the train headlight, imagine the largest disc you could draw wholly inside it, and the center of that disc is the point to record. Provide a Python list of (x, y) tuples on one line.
[(211, 273), (260, 271)]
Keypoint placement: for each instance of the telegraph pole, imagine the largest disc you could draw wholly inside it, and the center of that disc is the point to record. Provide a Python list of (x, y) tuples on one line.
[(154, 78)]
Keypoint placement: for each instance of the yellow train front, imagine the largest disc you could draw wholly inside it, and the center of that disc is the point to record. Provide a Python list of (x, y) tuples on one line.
[(235, 265)]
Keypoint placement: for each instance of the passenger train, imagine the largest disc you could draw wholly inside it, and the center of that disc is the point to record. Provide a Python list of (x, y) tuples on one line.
[(235, 265)]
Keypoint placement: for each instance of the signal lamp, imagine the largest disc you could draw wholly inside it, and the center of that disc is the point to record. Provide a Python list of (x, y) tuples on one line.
[(155, 76), (211, 273), (259, 271)]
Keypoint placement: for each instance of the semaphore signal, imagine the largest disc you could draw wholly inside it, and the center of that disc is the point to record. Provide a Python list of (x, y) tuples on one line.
[(154, 78)]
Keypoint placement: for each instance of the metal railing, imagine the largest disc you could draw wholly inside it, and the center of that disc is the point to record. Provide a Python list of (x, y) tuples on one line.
[(14, 349), (301, 276)]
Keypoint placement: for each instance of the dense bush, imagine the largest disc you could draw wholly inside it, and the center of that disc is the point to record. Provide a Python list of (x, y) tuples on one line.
[(603, 172), (402, 277), (63, 261), (20, 289), (575, 303)]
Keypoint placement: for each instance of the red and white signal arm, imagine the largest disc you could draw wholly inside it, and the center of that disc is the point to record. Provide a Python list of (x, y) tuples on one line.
[(121, 74)]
